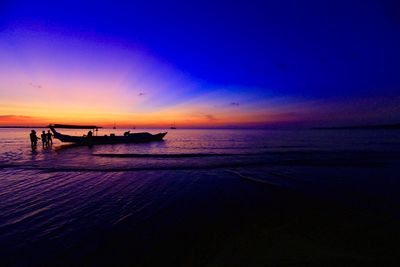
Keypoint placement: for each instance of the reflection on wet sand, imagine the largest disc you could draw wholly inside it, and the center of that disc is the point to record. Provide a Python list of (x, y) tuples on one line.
[(228, 199)]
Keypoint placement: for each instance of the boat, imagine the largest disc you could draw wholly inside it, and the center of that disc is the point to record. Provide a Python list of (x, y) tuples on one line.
[(91, 139), (173, 127)]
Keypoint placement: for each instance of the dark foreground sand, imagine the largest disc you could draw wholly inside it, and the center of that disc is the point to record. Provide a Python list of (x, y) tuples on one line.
[(203, 198), (245, 222)]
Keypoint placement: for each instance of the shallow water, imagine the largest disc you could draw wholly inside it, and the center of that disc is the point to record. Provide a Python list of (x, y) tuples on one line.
[(72, 203), (196, 148)]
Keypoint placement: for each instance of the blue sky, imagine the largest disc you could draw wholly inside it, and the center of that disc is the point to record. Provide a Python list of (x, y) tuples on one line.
[(269, 57)]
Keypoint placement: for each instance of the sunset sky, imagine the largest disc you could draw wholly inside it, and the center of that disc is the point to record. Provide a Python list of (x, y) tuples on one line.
[(200, 63)]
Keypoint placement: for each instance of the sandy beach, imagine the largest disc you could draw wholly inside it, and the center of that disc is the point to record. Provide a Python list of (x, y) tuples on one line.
[(230, 200)]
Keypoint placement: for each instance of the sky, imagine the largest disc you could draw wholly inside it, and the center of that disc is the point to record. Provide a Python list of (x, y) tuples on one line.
[(200, 63)]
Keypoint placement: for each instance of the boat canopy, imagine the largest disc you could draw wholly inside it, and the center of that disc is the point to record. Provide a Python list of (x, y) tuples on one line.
[(68, 126)]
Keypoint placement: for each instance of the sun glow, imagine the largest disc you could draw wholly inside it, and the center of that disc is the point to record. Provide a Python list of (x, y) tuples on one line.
[(88, 81)]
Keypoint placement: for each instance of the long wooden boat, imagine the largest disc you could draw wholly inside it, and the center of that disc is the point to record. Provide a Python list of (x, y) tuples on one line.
[(91, 139)]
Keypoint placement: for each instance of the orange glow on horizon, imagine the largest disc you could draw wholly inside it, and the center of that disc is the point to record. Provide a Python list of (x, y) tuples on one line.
[(158, 120)]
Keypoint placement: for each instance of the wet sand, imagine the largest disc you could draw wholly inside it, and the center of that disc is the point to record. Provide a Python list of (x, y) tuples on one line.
[(243, 223), (93, 207), (218, 218)]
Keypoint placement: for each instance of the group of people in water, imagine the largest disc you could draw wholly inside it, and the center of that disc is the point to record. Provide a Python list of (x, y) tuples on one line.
[(47, 139)]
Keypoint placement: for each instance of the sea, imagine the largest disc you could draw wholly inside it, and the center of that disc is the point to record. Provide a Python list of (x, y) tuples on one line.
[(203, 197)]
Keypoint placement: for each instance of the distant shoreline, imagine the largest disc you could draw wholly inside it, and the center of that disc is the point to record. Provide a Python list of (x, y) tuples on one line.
[(362, 127), (23, 127), (355, 127)]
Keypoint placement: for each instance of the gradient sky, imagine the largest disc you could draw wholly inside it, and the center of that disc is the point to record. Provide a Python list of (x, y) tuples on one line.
[(200, 63)]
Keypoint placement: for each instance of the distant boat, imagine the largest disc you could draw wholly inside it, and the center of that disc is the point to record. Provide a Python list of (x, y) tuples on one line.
[(106, 139), (173, 126)]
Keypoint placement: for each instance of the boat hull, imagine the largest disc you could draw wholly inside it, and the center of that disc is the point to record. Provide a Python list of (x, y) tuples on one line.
[(96, 140)]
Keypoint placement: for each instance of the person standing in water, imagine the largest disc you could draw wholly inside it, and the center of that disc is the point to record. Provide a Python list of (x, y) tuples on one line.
[(33, 138), (44, 139), (49, 138), (90, 138)]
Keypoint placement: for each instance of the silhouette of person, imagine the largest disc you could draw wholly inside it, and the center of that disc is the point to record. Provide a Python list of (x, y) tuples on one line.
[(90, 138), (49, 138), (33, 138), (44, 139)]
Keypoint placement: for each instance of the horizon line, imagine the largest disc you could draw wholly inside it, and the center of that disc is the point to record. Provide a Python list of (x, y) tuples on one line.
[(264, 127)]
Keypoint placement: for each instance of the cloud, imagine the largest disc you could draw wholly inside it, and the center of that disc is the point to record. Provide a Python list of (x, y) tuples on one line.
[(202, 115), (5, 117), (141, 94), (210, 117), (234, 104), (38, 86), (18, 120)]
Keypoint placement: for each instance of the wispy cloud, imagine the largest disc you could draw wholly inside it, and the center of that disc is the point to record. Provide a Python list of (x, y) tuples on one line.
[(210, 117), (10, 119), (5, 117), (38, 86), (201, 115)]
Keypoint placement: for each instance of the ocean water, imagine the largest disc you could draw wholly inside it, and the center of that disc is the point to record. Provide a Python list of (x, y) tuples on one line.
[(202, 197)]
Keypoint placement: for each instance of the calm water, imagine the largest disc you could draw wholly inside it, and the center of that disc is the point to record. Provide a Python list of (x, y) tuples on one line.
[(128, 203)]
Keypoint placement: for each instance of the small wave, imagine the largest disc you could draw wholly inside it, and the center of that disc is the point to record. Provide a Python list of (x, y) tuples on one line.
[(123, 218), (253, 179), (180, 155), (308, 146), (5, 166), (26, 216), (153, 168)]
